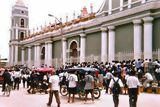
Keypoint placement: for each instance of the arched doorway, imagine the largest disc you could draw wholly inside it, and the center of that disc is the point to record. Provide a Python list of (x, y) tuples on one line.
[(73, 51)]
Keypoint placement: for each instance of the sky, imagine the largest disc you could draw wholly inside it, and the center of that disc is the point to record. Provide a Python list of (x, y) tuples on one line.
[(38, 15)]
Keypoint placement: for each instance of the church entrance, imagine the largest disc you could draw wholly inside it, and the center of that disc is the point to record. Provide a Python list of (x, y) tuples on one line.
[(73, 51)]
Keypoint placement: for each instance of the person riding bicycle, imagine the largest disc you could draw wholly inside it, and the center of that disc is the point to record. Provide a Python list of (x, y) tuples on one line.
[(7, 79)]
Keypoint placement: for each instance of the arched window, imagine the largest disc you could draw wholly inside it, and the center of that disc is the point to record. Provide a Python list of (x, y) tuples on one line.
[(22, 22), (21, 35)]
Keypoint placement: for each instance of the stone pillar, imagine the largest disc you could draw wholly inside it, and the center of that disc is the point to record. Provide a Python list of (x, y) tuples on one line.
[(38, 55), (22, 56), (110, 7), (29, 57), (121, 5), (16, 31), (148, 37), (12, 54), (16, 54), (144, 1), (64, 50), (111, 53), (82, 48), (103, 44), (50, 53), (35, 55), (49, 49), (137, 39), (46, 53), (129, 3)]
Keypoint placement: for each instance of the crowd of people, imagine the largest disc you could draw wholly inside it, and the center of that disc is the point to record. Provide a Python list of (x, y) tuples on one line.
[(130, 75)]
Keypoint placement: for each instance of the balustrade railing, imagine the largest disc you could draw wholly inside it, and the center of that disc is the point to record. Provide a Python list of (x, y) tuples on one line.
[(58, 62)]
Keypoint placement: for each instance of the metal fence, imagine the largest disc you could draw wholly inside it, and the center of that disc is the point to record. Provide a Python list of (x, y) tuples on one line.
[(120, 56)]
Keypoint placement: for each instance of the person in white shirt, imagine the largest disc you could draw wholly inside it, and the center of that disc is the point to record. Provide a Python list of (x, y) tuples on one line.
[(72, 79), (107, 79), (17, 79), (54, 89), (133, 88), (148, 79), (157, 74)]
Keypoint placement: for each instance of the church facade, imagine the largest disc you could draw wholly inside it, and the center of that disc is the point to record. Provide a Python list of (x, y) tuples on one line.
[(120, 30)]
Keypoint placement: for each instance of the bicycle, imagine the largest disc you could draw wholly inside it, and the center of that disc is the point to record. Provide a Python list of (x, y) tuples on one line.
[(7, 90)]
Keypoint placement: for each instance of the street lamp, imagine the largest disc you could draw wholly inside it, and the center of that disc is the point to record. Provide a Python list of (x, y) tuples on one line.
[(63, 39), (54, 17), (50, 15)]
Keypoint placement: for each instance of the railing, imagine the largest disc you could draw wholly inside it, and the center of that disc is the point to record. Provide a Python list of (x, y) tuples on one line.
[(120, 56), (125, 7)]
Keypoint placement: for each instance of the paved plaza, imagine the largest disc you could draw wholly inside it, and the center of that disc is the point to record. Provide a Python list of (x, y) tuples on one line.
[(22, 99)]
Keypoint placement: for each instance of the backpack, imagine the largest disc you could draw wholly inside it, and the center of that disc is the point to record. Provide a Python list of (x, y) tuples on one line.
[(116, 87)]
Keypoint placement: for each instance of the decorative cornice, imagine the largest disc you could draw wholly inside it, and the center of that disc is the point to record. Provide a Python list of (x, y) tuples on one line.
[(64, 39), (137, 22), (82, 35), (37, 44), (148, 19), (29, 46), (20, 15), (111, 27), (48, 42), (103, 29)]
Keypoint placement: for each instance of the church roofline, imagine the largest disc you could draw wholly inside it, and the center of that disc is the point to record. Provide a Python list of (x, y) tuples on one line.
[(58, 26)]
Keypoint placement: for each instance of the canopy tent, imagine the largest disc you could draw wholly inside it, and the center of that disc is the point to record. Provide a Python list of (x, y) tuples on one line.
[(45, 70)]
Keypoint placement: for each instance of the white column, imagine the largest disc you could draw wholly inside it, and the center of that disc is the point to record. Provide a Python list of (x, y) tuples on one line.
[(103, 44), (82, 48), (10, 50), (16, 54), (16, 31), (29, 57), (148, 37), (121, 5), (137, 39), (64, 50), (110, 7), (111, 53), (38, 55), (12, 34), (12, 54), (46, 54), (143, 1), (129, 3), (35, 55), (22, 56), (27, 32), (49, 53)]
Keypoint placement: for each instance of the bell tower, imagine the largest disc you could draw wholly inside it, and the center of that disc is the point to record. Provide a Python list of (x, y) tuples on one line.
[(18, 31), (19, 21)]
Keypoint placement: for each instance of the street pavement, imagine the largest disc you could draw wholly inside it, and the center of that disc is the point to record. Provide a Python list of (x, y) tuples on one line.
[(22, 99)]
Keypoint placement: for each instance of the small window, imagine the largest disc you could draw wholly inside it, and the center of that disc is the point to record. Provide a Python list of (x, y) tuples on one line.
[(22, 22), (22, 11)]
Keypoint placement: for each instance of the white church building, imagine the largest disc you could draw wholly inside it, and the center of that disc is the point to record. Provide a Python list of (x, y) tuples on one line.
[(119, 30)]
